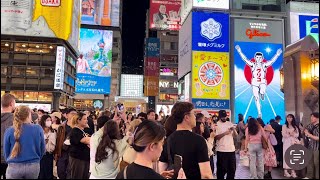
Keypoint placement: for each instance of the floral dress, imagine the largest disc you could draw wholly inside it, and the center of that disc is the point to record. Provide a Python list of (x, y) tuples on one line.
[(270, 158)]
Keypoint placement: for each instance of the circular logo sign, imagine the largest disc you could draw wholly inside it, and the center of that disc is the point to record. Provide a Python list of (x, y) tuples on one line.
[(98, 104), (297, 157), (210, 74)]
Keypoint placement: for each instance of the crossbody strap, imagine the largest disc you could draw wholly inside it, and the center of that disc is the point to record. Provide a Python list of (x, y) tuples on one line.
[(125, 173)]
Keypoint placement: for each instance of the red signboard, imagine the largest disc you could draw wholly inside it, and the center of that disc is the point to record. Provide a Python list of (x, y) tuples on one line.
[(164, 14), (151, 66)]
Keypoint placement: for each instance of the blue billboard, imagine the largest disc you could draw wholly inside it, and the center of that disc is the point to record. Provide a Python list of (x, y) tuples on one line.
[(210, 32), (94, 62), (152, 47), (257, 80), (309, 25)]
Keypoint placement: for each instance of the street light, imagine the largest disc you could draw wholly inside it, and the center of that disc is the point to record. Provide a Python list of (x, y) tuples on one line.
[(281, 79), (314, 58)]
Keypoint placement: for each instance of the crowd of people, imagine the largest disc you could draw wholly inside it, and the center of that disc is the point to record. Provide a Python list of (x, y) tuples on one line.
[(120, 145)]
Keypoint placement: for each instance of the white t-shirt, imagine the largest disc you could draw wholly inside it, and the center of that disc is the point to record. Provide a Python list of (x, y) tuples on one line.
[(226, 143)]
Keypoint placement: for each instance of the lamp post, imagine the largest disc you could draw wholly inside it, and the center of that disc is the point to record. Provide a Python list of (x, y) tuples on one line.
[(314, 58), (281, 79)]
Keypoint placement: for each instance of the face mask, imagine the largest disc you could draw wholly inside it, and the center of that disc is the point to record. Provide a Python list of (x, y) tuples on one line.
[(48, 123)]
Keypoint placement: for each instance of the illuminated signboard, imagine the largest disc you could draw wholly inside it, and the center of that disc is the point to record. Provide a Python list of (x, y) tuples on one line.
[(131, 85), (59, 71), (168, 71)]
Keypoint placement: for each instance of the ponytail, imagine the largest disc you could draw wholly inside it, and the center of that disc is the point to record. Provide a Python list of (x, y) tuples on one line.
[(21, 114)]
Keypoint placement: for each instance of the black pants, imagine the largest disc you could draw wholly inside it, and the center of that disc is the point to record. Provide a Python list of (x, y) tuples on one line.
[(212, 164), (46, 167), (79, 168), (279, 153), (3, 170), (226, 164), (63, 168)]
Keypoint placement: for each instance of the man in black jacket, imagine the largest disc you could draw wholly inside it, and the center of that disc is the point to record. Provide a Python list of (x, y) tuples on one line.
[(278, 134)]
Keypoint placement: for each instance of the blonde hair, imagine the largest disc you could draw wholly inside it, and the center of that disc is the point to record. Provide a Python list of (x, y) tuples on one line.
[(21, 114), (133, 125), (76, 118)]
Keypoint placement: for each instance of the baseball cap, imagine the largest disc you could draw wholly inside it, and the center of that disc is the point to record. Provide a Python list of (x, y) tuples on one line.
[(222, 113), (56, 114), (206, 114), (278, 117)]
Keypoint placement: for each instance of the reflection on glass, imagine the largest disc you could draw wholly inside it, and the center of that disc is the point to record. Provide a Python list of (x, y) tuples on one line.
[(4, 70), (30, 96), (18, 71), (34, 71)]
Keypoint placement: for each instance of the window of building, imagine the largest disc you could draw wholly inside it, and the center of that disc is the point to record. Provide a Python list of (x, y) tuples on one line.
[(4, 70), (259, 5), (18, 71), (18, 95), (167, 46), (32, 71), (47, 72), (45, 96), (174, 46)]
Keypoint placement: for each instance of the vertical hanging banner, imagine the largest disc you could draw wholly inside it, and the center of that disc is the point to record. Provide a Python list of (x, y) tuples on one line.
[(59, 71), (258, 56), (151, 68)]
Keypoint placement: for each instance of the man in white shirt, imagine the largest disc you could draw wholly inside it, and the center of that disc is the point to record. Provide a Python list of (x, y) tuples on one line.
[(226, 158)]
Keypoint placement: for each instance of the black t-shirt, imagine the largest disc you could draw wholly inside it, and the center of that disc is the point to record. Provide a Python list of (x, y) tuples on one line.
[(78, 150), (193, 149), (68, 131), (278, 131), (135, 171)]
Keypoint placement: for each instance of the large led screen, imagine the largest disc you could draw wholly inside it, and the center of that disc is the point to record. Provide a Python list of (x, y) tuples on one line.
[(94, 63), (100, 12)]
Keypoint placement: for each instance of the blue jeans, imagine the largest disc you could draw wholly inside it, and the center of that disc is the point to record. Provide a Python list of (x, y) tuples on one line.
[(23, 170), (256, 161)]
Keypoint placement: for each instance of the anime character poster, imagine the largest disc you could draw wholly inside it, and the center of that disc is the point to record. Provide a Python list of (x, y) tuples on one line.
[(94, 62), (257, 80)]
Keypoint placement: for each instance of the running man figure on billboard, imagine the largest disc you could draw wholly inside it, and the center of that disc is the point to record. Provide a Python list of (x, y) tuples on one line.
[(259, 72)]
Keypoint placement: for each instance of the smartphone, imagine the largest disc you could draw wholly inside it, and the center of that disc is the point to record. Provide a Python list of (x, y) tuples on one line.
[(120, 108), (177, 165)]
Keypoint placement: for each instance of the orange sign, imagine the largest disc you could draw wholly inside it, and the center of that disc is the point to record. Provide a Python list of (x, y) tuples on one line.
[(151, 86)]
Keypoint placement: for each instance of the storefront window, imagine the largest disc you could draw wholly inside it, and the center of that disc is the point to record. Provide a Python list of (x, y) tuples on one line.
[(18, 95), (5, 46), (4, 70), (259, 5), (31, 96), (18, 71), (45, 96)]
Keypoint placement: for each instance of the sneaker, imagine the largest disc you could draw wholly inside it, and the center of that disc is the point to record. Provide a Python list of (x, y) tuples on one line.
[(286, 174)]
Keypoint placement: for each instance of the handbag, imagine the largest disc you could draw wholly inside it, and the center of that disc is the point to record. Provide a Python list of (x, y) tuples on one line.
[(273, 140), (264, 142), (244, 159)]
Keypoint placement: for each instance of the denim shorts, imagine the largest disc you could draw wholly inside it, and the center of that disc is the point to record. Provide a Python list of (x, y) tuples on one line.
[(23, 171)]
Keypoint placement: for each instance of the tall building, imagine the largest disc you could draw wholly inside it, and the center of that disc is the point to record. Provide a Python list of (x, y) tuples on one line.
[(39, 52)]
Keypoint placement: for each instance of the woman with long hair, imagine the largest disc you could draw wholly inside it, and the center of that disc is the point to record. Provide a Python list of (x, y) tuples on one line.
[(106, 151), (290, 135), (46, 163), (21, 152), (148, 143), (254, 135), (79, 155)]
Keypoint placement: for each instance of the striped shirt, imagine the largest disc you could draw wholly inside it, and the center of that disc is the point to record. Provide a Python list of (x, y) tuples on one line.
[(314, 130)]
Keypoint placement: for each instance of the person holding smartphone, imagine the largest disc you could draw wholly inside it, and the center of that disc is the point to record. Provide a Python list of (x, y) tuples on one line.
[(148, 142)]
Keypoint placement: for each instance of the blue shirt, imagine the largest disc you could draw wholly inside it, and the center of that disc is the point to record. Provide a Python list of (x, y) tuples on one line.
[(32, 144)]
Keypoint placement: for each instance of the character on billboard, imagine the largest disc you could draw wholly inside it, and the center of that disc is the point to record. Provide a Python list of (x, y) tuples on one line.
[(161, 18), (82, 65), (259, 72)]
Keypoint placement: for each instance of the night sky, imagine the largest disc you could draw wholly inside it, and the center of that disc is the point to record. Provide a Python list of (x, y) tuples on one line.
[(133, 34)]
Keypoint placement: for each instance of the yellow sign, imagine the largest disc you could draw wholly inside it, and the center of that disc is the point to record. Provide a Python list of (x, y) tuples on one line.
[(210, 75), (38, 18)]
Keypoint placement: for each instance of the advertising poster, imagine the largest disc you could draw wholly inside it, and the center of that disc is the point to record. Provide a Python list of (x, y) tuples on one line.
[(151, 66), (152, 47), (100, 12), (210, 80), (151, 86), (94, 63), (309, 25), (59, 19), (210, 32), (258, 57), (165, 14)]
